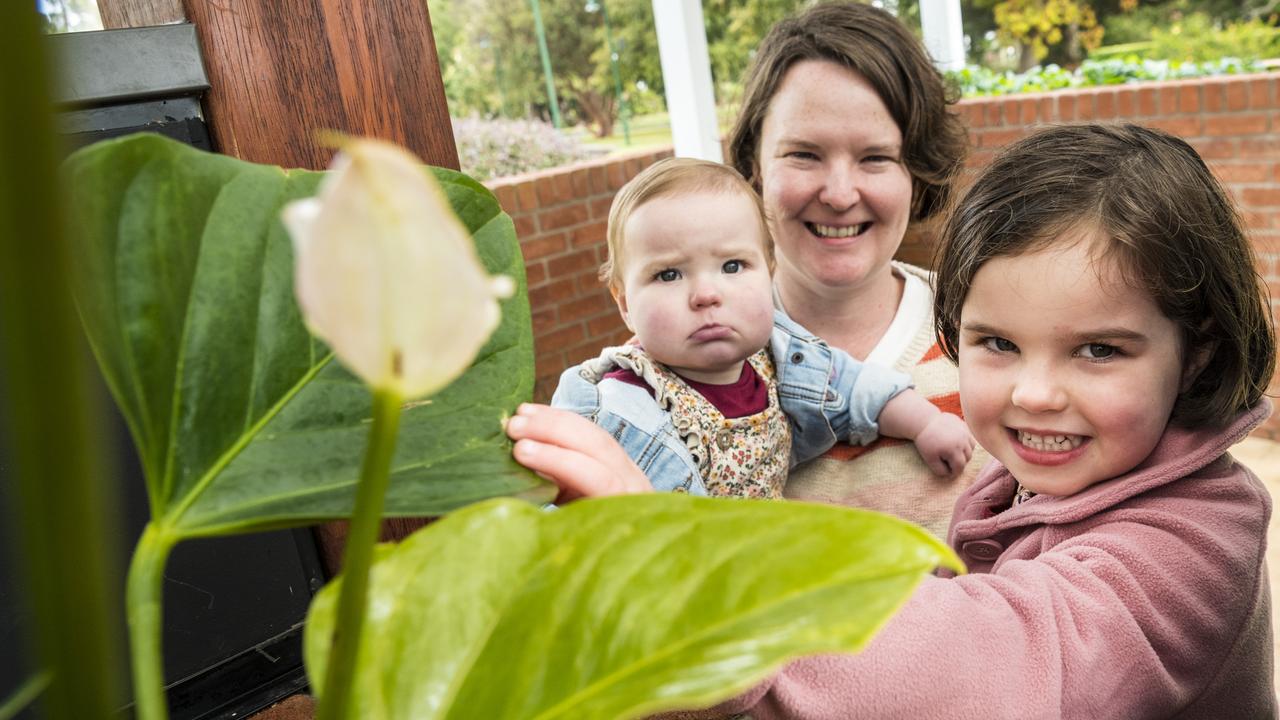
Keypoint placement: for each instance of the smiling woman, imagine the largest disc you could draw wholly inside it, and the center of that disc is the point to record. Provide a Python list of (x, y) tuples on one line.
[(846, 133)]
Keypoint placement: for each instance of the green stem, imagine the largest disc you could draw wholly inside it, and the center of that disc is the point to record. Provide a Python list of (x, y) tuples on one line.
[(143, 594), (366, 519)]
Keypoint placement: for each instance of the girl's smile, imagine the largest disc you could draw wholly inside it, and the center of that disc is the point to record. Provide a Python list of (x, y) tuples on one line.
[(1068, 374)]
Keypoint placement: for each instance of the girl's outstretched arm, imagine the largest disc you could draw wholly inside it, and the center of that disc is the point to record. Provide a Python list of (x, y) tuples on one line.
[(574, 453)]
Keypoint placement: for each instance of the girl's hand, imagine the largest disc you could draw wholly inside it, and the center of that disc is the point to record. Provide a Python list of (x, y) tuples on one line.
[(946, 445), (574, 453)]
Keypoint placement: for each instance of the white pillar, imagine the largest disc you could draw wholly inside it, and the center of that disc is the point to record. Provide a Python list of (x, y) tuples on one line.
[(686, 73), (943, 33)]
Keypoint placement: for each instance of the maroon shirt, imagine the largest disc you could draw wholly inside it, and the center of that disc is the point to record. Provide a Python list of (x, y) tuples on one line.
[(745, 396)]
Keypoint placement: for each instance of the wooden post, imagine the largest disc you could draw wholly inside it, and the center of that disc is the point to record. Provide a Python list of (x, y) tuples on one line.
[(282, 70)]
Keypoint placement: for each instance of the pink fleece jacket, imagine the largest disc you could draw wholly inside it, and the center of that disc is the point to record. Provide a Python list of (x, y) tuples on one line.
[(1141, 597)]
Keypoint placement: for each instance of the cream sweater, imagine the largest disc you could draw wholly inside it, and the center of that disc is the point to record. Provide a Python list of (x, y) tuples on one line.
[(888, 475)]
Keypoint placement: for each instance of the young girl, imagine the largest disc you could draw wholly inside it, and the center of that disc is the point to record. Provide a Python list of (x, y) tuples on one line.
[(1113, 341), (707, 399)]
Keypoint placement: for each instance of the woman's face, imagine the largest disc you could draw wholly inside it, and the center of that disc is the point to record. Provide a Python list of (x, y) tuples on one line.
[(832, 178)]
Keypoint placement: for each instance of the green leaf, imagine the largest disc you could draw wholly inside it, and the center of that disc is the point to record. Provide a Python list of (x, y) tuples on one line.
[(617, 607), (185, 288)]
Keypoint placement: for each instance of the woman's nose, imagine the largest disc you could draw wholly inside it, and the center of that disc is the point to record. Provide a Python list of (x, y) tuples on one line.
[(840, 187), (1038, 389)]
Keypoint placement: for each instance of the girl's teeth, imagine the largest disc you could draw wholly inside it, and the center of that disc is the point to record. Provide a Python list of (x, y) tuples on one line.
[(832, 231), (1050, 443)]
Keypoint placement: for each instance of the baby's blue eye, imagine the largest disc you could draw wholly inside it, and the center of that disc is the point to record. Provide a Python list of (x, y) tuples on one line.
[(668, 275), (731, 267)]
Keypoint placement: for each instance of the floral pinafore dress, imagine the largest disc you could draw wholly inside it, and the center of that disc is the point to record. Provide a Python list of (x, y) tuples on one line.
[(737, 457)]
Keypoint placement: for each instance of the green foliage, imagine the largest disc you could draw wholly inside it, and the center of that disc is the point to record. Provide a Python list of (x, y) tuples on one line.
[(1197, 38), (498, 148), (620, 607), (241, 420), (975, 80), (1036, 26)]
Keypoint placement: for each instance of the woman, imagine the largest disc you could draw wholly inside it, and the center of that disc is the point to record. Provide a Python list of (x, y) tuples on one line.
[(845, 132)]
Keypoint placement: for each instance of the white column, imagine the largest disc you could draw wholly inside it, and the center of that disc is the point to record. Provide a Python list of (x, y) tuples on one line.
[(686, 73), (943, 33)]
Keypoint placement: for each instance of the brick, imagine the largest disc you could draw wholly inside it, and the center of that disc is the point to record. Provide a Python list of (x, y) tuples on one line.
[(508, 199), (1237, 96), (586, 308), (544, 388), (535, 274), (554, 292), (1000, 138), (525, 226), (569, 264), (617, 175), (1263, 93), (543, 320), (1127, 102), (1184, 126), (598, 179), (1244, 172), (1263, 147), (1048, 110), (599, 206), (1086, 106), (605, 325), (1106, 105), (1261, 197), (550, 364), (590, 234), (527, 193), (1168, 96), (1067, 106), (563, 216), (1218, 149), (1189, 98), (1215, 99), (560, 338), (1235, 125), (544, 245), (1147, 101), (554, 188), (995, 114), (580, 183)]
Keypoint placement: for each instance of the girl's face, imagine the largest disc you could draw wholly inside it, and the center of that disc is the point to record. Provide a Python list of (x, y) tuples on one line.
[(695, 283), (832, 177), (1067, 374)]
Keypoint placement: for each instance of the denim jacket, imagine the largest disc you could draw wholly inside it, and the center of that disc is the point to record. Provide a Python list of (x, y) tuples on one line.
[(826, 394)]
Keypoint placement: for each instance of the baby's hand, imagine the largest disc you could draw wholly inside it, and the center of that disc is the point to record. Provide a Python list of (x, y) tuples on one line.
[(574, 453), (946, 445)]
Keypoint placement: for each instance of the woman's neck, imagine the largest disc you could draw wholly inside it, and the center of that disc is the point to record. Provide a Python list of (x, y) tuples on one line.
[(850, 318)]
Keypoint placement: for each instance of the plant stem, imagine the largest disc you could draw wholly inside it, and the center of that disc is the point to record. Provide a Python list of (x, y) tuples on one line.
[(366, 519), (143, 596)]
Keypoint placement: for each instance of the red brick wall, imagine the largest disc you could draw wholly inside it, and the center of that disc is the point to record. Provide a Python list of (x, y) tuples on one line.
[(560, 215)]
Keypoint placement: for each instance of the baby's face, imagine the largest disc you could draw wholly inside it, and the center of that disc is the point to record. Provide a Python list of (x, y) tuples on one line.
[(695, 283), (1068, 374)]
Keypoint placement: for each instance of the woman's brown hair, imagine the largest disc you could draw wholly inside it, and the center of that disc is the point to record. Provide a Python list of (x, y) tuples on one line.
[(1164, 219), (874, 44)]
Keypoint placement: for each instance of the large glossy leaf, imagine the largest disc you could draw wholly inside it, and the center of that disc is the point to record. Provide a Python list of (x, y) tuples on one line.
[(618, 607), (241, 419)]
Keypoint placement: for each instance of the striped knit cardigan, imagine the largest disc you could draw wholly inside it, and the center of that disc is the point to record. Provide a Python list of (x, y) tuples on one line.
[(888, 475)]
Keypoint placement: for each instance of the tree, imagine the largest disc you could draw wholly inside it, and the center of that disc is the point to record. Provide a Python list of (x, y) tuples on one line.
[(1036, 26)]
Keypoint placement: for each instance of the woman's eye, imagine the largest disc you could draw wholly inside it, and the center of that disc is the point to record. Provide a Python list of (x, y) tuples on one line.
[(1098, 351), (667, 275), (999, 344), (802, 155), (731, 267)]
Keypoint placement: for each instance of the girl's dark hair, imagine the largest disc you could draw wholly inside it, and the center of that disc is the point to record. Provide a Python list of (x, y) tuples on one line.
[(872, 43), (1162, 216)]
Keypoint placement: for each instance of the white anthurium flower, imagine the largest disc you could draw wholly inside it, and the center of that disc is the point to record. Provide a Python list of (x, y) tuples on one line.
[(387, 275)]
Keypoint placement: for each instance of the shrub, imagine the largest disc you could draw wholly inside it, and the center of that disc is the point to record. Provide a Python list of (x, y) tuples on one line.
[(975, 80), (500, 147)]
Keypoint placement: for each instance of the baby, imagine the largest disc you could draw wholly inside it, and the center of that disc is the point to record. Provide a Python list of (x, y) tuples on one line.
[(720, 394)]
